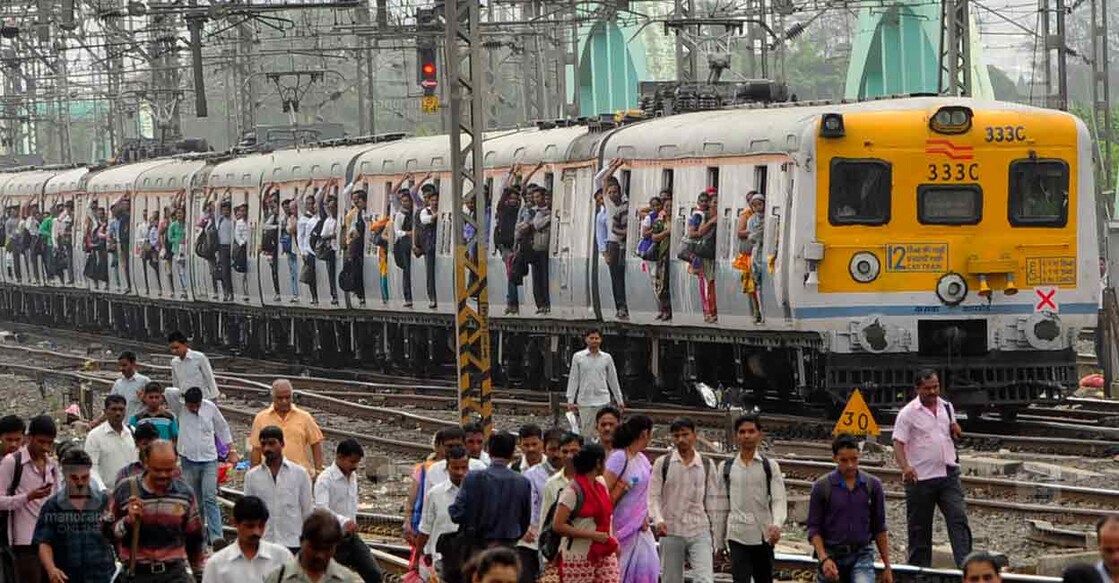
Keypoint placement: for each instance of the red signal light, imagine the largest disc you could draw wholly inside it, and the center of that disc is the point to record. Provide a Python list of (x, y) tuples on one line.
[(429, 69)]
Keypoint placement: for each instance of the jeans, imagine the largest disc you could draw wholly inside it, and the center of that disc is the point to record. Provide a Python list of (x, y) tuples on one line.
[(855, 567), (354, 553), (429, 264), (698, 551), (921, 499), (530, 564), (203, 479), (309, 262), (293, 273), (511, 299), (331, 261), (274, 267), (616, 263), (225, 268), (180, 265), (751, 562), (541, 294)]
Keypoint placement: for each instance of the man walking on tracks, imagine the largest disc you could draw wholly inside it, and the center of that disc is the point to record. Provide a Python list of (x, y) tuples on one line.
[(156, 522), (190, 368), (846, 512), (923, 447), (592, 381), (683, 490), (754, 510)]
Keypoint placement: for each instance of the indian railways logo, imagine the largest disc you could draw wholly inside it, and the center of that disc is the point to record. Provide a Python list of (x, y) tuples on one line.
[(947, 148)]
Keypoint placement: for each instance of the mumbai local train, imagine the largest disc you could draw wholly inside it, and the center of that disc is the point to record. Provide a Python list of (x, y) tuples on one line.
[(888, 235)]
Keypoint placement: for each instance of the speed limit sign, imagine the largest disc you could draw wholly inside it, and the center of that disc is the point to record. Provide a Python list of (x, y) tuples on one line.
[(856, 418)]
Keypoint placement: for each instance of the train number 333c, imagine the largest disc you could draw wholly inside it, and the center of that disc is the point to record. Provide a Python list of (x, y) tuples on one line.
[(954, 172), (1005, 133)]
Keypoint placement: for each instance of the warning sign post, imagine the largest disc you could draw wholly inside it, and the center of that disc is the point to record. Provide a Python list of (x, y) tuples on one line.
[(856, 418)]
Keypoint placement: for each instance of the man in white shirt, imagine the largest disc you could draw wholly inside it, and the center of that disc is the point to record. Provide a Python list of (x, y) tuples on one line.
[(200, 423), (241, 244), (336, 491), (190, 368), (682, 492), (251, 559), (591, 383), (751, 507), (439, 472), (303, 231), (110, 444), (435, 519), (130, 385), (285, 488)]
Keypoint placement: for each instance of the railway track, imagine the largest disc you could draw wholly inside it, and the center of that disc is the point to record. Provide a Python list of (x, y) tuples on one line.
[(383, 402)]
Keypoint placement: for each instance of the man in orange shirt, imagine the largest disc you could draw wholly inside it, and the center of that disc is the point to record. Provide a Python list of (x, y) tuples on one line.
[(301, 432)]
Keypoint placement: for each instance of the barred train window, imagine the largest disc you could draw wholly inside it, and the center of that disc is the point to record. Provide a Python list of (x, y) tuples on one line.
[(949, 204), (859, 192), (1038, 193)]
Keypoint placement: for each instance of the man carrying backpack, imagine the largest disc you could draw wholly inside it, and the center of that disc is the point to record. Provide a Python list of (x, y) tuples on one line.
[(681, 496), (846, 512), (752, 501)]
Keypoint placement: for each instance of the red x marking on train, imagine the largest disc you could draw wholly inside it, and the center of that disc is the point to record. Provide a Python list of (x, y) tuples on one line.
[(1046, 299), (948, 149)]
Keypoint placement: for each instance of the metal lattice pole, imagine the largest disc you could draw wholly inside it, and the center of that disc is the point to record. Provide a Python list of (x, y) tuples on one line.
[(1101, 105), (465, 74)]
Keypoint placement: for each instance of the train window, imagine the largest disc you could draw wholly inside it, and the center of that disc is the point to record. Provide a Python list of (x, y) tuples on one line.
[(859, 192), (761, 176), (626, 175), (713, 177), (1038, 193), (549, 182), (667, 178), (949, 204)]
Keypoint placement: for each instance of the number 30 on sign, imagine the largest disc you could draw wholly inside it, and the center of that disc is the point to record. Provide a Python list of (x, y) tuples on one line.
[(856, 418)]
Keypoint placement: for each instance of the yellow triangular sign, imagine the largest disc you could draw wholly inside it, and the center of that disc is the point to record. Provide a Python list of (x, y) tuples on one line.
[(856, 418)]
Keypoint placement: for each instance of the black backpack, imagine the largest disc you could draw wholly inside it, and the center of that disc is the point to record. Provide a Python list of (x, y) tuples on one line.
[(206, 246), (548, 539)]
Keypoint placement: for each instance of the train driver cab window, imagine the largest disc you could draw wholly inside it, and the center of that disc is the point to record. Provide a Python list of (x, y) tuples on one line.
[(859, 192), (1038, 193), (949, 204)]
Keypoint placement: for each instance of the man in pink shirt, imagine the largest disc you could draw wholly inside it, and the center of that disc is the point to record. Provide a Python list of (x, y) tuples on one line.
[(925, 451), (27, 478)]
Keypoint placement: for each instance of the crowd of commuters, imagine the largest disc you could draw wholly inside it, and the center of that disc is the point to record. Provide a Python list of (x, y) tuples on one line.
[(138, 500)]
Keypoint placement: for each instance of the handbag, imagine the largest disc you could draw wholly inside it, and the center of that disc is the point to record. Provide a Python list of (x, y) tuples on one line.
[(240, 258), (307, 273), (705, 247), (347, 279), (648, 249)]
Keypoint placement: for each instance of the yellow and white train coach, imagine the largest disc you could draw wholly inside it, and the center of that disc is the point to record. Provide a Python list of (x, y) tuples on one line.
[(895, 234)]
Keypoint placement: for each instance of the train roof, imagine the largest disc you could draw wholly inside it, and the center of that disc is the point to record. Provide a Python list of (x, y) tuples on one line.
[(175, 175), (242, 172), (315, 163), (67, 181), (120, 179), (29, 183), (421, 154), (755, 129), (551, 146)]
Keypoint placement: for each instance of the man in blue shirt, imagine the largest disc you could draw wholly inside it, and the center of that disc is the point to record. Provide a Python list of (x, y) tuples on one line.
[(846, 512), (69, 530), (494, 506)]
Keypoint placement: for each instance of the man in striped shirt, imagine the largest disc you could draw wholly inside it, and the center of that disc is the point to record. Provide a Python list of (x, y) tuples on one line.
[(166, 512)]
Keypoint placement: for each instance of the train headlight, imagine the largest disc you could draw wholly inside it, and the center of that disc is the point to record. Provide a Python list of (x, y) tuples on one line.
[(1043, 331), (831, 126), (952, 119), (864, 267), (951, 288)]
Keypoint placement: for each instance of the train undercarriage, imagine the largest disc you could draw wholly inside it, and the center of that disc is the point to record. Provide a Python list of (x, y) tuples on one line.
[(704, 367)]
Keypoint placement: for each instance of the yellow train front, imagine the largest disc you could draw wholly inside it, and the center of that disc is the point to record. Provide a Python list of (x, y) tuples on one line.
[(954, 234)]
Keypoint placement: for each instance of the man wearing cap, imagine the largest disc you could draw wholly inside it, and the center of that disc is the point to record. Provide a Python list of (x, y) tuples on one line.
[(200, 422), (225, 244)]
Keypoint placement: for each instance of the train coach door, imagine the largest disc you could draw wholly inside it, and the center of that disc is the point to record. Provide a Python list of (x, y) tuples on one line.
[(777, 235), (562, 242)]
